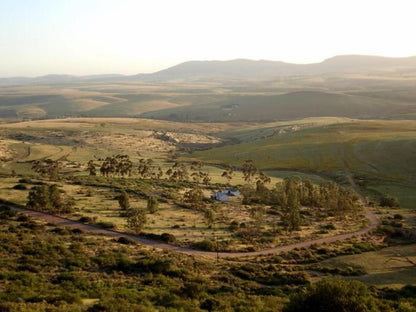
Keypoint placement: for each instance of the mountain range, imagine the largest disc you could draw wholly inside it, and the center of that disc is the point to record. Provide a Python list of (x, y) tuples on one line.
[(239, 69)]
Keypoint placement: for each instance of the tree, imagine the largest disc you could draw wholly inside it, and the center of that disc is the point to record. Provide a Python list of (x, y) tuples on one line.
[(290, 206), (118, 164), (152, 204), (249, 170), (206, 179), (196, 167), (178, 172), (228, 174), (264, 178), (136, 219), (195, 198), (389, 201), (257, 213), (210, 217), (47, 168), (333, 295), (49, 198), (123, 200), (91, 168)]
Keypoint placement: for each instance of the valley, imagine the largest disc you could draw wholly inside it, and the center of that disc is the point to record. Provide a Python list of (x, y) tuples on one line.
[(197, 189)]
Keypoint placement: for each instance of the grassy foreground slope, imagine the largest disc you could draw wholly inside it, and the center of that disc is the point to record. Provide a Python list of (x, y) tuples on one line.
[(379, 154)]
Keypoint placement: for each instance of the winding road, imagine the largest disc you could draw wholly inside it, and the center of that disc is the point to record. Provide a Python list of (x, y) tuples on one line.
[(374, 222)]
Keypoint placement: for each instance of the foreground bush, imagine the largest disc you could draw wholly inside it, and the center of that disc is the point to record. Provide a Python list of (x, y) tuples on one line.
[(333, 295)]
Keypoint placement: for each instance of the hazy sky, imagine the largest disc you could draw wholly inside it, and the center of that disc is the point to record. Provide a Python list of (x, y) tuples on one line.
[(39, 37)]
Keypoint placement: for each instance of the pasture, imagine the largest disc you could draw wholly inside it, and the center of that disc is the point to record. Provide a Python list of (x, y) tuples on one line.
[(390, 267), (378, 153)]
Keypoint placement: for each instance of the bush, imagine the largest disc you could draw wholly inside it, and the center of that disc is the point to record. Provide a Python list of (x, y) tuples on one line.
[(206, 245), (7, 213), (23, 218), (398, 217), (126, 240), (329, 226), (106, 225), (152, 204), (234, 226), (333, 295), (389, 201), (168, 238), (20, 187), (86, 219)]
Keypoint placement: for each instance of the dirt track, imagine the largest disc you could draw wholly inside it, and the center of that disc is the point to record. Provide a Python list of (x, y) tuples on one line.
[(374, 222)]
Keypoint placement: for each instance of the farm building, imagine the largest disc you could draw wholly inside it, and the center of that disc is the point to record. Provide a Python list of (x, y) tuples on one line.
[(223, 195)]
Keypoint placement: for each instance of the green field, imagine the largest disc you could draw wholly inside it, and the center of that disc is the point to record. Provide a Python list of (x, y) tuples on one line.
[(392, 267), (379, 154)]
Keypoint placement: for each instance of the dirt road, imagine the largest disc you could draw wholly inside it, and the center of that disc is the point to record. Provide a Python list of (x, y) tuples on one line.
[(374, 222)]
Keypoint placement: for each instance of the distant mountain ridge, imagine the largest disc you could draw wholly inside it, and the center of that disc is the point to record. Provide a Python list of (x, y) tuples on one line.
[(238, 69), (242, 68)]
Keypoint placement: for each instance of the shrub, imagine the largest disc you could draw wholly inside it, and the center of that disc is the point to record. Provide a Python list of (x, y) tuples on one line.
[(206, 245), (86, 219), (398, 216), (168, 238), (7, 213), (106, 225), (234, 226), (23, 218), (152, 204), (333, 295), (329, 226), (389, 201), (126, 240), (20, 187)]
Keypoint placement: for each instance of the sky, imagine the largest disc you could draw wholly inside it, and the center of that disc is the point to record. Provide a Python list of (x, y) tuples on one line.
[(81, 37)]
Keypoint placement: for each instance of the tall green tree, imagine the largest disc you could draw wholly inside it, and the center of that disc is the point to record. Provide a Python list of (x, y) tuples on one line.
[(228, 174), (91, 168), (210, 217), (136, 219), (249, 170), (124, 200), (152, 204), (290, 208), (49, 198)]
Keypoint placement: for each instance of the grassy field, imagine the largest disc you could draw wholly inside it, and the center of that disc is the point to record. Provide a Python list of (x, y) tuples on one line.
[(392, 267), (371, 95), (76, 141), (291, 105), (379, 154)]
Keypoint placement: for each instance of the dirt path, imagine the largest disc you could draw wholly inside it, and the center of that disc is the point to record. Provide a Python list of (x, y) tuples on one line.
[(160, 245)]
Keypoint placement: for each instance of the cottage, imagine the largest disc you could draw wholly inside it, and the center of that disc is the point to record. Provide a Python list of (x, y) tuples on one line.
[(223, 195), (220, 196)]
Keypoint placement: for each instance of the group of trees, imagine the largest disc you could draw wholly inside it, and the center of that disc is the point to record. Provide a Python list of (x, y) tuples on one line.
[(136, 217), (116, 165), (49, 198), (292, 193), (47, 168), (303, 192)]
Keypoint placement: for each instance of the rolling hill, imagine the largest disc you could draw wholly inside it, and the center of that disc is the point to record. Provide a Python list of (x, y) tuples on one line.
[(379, 154), (237, 70), (263, 69), (223, 91), (292, 105)]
